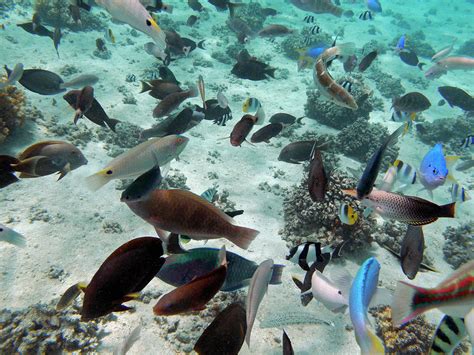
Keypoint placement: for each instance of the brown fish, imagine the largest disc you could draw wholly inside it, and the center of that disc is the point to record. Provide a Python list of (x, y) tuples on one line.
[(194, 295), (226, 333), (296, 152), (411, 251), (274, 30), (182, 212), (367, 61), (317, 178), (264, 134), (172, 101), (159, 89), (411, 102), (124, 273), (242, 129)]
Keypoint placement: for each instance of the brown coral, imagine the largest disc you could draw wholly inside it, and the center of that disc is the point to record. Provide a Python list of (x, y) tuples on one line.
[(12, 102)]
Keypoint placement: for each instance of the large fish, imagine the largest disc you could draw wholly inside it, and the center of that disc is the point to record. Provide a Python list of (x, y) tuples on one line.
[(318, 6), (40, 81), (448, 335), (454, 296)]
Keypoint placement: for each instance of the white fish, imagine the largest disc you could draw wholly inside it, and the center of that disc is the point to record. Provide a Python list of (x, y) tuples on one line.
[(10, 236), (128, 342), (334, 295), (80, 81), (257, 289), (222, 100), (154, 50), (14, 76), (442, 53), (135, 14), (139, 159)]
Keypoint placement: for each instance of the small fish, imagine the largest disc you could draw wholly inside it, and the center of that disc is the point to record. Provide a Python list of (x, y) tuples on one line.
[(202, 90), (2, 26), (257, 290), (267, 132), (308, 253), (287, 347), (362, 291), (346, 84), (8, 235), (167, 75), (143, 185), (268, 11), (459, 193), (7, 176), (367, 61), (109, 36), (128, 342), (366, 15), (225, 334), (457, 97), (468, 142), (216, 113), (449, 334), (333, 294), (371, 171), (401, 43), (409, 57), (195, 5), (401, 116), (251, 105), (285, 118), (406, 209), (139, 159), (242, 129), (172, 101), (191, 21), (317, 177), (70, 295), (442, 53), (411, 251), (159, 6), (194, 295), (121, 276), (308, 19), (347, 214), (296, 152), (222, 100), (465, 165), (374, 5), (443, 66), (306, 294), (350, 63), (13, 76), (411, 102), (433, 169), (405, 172), (454, 296), (80, 81), (57, 39), (40, 81)]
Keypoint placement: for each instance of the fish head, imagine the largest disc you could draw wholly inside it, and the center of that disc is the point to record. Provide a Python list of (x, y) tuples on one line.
[(436, 71), (179, 144), (76, 158), (433, 169)]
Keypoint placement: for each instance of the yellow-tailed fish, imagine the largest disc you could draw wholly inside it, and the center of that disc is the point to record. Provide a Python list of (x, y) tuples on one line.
[(139, 159), (347, 215)]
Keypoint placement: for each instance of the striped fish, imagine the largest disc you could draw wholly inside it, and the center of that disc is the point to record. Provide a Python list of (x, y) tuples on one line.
[(405, 172), (467, 142), (448, 335), (459, 193), (308, 253)]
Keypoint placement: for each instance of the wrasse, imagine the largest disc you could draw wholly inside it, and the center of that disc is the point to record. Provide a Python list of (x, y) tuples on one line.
[(453, 296), (328, 87), (450, 63)]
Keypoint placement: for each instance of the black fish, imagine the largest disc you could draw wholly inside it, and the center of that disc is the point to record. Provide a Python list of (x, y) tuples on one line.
[(410, 58), (367, 61), (411, 102), (195, 5), (178, 123), (366, 15), (411, 252), (167, 74), (457, 97), (317, 178), (143, 185), (287, 347), (310, 252), (191, 20), (285, 118), (248, 67), (7, 176), (296, 152), (226, 333), (264, 134), (214, 112), (39, 30), (40, 81)]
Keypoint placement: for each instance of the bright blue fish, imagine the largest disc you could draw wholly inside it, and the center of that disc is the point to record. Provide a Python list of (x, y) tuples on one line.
[(316, 50), (433, 169), (374, 5), (401, 43), (362, 290)]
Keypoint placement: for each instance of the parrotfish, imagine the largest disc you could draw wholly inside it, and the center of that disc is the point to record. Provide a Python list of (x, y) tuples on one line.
[(450, 63), (362, 290), (411, 252), (433, 168), (454, 296)]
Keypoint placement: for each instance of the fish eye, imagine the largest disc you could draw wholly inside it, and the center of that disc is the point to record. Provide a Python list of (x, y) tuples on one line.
[(148, 23), (109, 172)]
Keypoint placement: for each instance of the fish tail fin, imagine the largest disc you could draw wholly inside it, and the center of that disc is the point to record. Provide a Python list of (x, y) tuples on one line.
[(421, 65), (276, 274), (145, 86), (448, 210), (14, 238), (376, 344), (111, 123), (270, 72), (346, 49), (96, 181), (404, 307), (244, 237)]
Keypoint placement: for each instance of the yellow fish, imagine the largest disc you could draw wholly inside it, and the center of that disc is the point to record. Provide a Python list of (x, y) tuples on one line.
[(347, 215)]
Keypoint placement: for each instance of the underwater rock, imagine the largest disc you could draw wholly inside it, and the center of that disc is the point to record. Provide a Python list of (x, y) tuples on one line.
[(40, 329), (308, 221), (388, 86), (458, 247), (175, 180), (12, 115)]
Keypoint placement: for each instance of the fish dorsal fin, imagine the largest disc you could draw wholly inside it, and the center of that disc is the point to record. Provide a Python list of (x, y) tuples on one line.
[(342, 279), (381, 296), (458, 273), (31, 150)]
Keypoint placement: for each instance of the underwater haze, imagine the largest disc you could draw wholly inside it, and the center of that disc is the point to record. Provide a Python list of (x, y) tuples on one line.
[(236, 177)]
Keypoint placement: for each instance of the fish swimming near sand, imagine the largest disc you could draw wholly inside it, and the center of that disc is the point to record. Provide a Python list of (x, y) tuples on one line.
[(266, 133), (308, 253), (367, 61), (409, 57), (143, 185), (318, 7), (442, 53), (83, 101), (332, 292), (176, 123), (7, 173), (274, 30), (411, 102), (445, 65), (317, 177), (12, 237), (80, 81), (287, 347), (250, 68), (411, 252), (457, 97), (434, 170), (172, 101), (242, 129), (465, 165), (297, 152), (347, 214), (43, 82), (159, 89)]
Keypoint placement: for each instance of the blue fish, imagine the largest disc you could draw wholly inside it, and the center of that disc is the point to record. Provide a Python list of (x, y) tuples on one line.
[(401, 43), (374, 5), (316, 50), (433, 169), (362, 290)]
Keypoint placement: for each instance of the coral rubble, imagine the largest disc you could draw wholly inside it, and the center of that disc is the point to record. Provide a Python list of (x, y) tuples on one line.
[(12, 103), (458, 248)]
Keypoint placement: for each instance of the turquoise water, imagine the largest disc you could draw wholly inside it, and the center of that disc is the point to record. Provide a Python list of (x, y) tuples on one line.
[(68, 228)]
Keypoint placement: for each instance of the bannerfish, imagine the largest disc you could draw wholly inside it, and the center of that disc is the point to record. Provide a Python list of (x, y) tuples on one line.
[(194, 295), (83, 101), (285, 118), (409, 57), (411, 252), (366, 15), (371, 171), (7, 176), (468, 142), (297, 152), (450, 63), (242, 129), (411, 102), (362, 291), (40, 81), (252, 69), (121, 276), (406, 209), (13, 76), (454, 296), (159, 89), (253, 106), (317, 177), (287, 347), (139, 159), (143, 185), (177, 123), (95, 113), (180, 269), (433, 168), (374, 5), (135, 14), (459, 193), (266, 133), (457, 97), (347, 214), (225, 334), (326, 85), (367, 61), (257, 290), (333, 293), (449, 334), (401, 43), (274, 30), (172, 101), (80, 81), (8, 235), (49, 157), (128, 342), (182, 212)]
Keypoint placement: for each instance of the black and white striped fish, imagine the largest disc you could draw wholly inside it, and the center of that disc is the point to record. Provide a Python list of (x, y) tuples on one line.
[(309, 19), (467, 142), (308, 253), (315, 29), (366, 15), (448, 335)]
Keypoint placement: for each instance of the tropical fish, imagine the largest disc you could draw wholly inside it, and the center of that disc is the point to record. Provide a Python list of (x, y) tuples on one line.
[(222, 100), (121, 276), (159, 89), (465, 165), (158, 5), (214, 112), (457, 97), (366, 15), (226, 333), (459, 193), (191, 21), (285, 118), (448, 335), (8, 235), (176, 123), (267, 132), (374, 5), (401, 43), (13, 76), (109, 36), (454, 296), (194, 295), (250, 68), (287, 347), (433, 169), (7, 176), (362, 291), (40, 81), (180, 269), (195, 5), (70, 295), (308, 253), (83, 101), (242, 129), (468, 142), (450, 63), (257, 290), (333, 294), (409, 57), (411, 252), (160, 53), (406, 174), (80, 81), (367, 61), (297, 152), (182, 212), (347, 214), (442, 53), (400, 116), (57, 39), (274, 30), (139, 159), (128, 342), (411, 102), (423, 267), (143, 185), (202, 90), (406, 209), (317, 177), (172, 101)]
